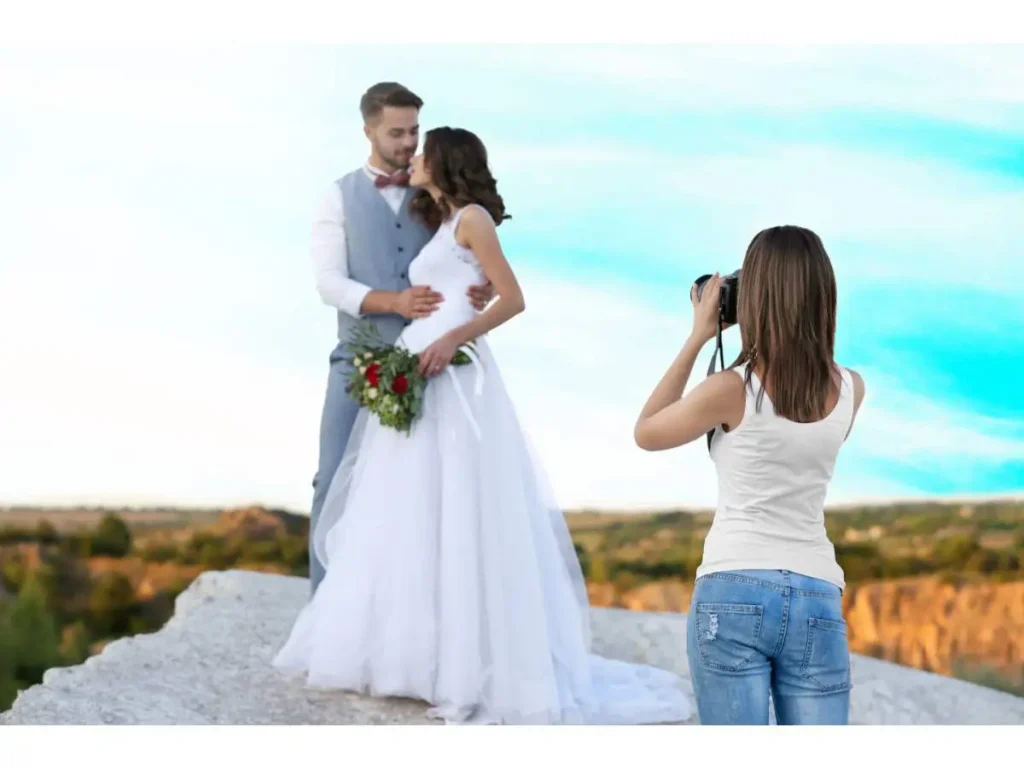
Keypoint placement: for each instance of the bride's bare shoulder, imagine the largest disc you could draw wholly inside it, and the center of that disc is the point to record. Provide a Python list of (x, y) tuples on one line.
[(474, 223)]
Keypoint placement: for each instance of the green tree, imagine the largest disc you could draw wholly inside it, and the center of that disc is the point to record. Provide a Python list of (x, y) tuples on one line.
[(985, 561), (11, 534), (192, 551), (75, 643), (156, 611), (8, 661), (111, 604), (46, 533), (36, 641), (65, 580), (584, 559), (112, 537), (599, 569), (261, 552), (295, 552), (76, 545), (12, 573), (859, 561), (214, 554), (159, 552), (954, 552)]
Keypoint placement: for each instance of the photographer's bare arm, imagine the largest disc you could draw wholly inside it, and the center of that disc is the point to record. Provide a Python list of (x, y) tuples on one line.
[(477, 231), (669, 420)]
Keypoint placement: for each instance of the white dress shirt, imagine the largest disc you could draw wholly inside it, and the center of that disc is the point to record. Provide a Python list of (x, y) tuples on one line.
[(330, 256)]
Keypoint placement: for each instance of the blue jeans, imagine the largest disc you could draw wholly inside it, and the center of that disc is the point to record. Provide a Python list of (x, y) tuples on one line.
[(754, 633)]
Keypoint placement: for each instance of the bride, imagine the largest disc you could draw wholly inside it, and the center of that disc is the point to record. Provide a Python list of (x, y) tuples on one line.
[(451, 576)]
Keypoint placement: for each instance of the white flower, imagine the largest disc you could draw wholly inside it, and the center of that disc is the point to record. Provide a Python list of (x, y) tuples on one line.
[(396, 408), (372, 393), (356, 362), (368, 355), (362, 370)]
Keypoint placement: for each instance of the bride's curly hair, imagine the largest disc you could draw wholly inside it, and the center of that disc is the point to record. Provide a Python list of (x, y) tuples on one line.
[(456, 160)]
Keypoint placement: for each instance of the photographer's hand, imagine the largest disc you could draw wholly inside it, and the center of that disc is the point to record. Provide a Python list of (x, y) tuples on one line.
[(706, 310)]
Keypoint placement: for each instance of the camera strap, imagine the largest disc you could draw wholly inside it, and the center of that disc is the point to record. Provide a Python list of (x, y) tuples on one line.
[(711, 366)]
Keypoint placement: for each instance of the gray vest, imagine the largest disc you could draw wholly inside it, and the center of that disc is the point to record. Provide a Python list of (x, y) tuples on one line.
[(380, 246)]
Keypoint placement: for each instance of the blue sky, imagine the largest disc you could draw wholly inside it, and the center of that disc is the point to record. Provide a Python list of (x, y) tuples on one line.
[(165, 343)]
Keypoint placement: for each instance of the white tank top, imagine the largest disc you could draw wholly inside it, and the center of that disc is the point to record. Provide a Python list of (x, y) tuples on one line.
[(773, 475)]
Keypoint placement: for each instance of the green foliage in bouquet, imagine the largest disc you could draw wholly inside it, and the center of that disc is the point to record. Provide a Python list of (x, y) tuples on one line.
[(385, 378)]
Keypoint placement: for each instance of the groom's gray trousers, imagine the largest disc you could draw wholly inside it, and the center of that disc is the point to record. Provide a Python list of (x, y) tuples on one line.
[(339, 414)]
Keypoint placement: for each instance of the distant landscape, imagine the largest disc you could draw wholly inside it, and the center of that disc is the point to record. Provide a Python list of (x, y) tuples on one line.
[(936, 586)]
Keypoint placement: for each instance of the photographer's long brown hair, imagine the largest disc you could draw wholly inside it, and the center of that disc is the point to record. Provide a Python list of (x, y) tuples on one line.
[(786, 311), (457, 162)]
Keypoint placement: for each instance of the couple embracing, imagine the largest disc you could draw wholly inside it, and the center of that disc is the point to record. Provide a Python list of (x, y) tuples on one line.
[(441, 566)]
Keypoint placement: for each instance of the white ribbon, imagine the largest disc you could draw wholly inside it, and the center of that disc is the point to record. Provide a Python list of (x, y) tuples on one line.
[(478, 388)]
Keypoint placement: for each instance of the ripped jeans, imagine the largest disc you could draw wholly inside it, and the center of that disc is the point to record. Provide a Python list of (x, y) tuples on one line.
[(754, 633)]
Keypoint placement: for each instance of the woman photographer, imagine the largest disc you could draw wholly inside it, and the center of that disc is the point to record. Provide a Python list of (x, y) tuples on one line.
[(766, 615)]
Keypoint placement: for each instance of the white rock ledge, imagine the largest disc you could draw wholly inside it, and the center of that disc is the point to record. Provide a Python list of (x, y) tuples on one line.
[(211, 665)]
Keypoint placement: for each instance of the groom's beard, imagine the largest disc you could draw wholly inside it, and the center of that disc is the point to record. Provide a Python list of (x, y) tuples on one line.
[(398, 162)]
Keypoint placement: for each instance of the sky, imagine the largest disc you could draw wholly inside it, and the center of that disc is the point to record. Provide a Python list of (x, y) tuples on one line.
[(163, 343)]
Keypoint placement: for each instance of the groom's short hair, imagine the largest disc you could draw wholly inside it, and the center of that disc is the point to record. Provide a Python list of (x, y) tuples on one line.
[(386, 95)]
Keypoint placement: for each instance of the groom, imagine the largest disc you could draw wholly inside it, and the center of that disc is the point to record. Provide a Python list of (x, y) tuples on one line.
[(363, 242)]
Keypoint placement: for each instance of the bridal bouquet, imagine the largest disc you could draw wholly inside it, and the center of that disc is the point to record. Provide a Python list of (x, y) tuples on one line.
[(385, 378)]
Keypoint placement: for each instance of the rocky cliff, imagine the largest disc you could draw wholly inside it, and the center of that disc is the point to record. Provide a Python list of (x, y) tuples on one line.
[(931, 625), (211, 665)]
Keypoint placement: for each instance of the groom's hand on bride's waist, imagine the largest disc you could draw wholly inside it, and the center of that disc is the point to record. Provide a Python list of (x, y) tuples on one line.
[(417, 301), (414, 302), (481, 295)]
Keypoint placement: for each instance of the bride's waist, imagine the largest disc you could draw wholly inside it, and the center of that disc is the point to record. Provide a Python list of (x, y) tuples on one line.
[(424, 331)]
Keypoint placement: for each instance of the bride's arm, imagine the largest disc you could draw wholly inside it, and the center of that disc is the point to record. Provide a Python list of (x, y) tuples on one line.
[(478, 233)]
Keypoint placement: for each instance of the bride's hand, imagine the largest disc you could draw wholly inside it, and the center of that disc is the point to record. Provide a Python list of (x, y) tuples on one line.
[(480, 295), (435, 357)]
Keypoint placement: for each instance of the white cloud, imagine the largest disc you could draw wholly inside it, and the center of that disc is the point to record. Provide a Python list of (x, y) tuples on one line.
[(960, 221), (956, 217), (974, 84), (981, 84), (111, 414), (788, 22), (141, 366), (613, 350), (914, 430), (97, 411)]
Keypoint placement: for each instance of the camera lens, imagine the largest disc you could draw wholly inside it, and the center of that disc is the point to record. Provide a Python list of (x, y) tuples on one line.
[(700, 282), (729, 293)]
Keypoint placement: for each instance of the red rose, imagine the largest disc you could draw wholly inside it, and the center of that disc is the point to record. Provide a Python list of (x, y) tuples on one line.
[(373, 375), (400, 385)]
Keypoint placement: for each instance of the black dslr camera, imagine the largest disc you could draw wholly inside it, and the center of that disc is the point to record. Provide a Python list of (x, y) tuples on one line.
[(726, 315), (727, 296)]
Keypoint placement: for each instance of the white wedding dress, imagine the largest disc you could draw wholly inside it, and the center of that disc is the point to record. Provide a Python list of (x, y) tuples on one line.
[(451, 576)]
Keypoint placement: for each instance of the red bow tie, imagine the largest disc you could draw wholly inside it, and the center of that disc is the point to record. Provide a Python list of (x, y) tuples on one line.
[(399, 179)]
